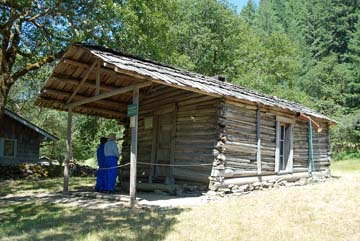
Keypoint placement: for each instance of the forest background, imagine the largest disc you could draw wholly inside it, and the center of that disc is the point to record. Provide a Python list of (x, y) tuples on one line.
[(305, 51)]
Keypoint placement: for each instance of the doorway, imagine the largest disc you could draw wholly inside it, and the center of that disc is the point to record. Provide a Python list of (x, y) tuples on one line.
[(164, 144)]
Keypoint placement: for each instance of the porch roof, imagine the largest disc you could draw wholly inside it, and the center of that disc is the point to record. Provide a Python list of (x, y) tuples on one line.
[(117, 70)]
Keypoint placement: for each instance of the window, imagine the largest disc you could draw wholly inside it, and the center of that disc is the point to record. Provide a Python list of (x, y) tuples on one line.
[(284, 145), (8, 148), (148, 122)]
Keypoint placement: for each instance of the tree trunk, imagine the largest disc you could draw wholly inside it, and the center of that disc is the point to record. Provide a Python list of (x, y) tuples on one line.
[(4, 91)]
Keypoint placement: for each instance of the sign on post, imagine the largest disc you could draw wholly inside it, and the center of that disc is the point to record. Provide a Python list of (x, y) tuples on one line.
[(132, 110)]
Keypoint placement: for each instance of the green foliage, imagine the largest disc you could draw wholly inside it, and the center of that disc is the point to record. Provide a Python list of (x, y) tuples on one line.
[(346, 136), (87, 134), (306, 51)]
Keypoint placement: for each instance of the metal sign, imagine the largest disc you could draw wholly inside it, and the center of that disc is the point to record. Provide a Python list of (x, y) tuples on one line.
[(132, 110)]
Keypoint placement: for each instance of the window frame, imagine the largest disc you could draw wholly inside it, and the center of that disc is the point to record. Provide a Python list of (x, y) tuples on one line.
[(283, 123), (2, 147)]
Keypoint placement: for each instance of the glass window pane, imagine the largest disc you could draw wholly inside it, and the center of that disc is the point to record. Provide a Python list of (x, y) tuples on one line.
[(9, 148)]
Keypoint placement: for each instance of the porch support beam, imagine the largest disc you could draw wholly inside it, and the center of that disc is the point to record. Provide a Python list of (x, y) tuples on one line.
[(134, 142), (68, 152), (81, 83), (86, 110), (108, 94), (119, 105), (97, 90)]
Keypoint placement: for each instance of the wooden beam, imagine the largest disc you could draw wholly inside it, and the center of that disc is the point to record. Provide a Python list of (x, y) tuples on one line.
[(64, 94), (277, 149), (258, 136), (68, 152), (87, 84), (46, 102), (290, 162), (153, 146), (102, 69), (308, 118), (173, 141), (81, 83), (97, 91), (108, 94), (133, 154)]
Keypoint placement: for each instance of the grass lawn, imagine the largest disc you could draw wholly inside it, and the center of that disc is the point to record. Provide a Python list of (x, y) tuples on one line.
[(325, 211), (45, 185)]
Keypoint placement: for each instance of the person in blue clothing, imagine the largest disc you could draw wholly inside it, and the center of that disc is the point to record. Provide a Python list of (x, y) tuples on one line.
[(112, 154), (100, 175)]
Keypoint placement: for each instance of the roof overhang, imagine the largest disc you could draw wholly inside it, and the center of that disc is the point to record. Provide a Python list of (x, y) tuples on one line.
[(86, 71), (47, 136)]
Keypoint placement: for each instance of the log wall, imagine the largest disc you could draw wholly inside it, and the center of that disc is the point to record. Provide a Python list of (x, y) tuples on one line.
[(196, 133), (238, 145), (212, 130)]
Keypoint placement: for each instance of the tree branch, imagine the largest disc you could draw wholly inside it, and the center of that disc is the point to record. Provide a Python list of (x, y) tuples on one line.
[(37, 65), (45, 11), (24, 54), (14, 43)]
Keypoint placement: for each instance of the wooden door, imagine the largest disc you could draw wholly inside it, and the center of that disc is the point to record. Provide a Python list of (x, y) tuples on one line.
[(164, 144)]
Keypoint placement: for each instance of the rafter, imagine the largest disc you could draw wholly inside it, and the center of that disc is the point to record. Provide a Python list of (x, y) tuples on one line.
[(102, 69), (119, 105), (87, 84), (47, 102), (81, 83), (108, 94)]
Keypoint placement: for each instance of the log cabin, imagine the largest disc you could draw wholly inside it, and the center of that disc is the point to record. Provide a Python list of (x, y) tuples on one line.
[(187, 127), (20, 140)]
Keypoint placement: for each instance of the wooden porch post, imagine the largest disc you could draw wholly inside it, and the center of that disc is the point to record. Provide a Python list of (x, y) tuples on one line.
[(258, 136), (68, 152), (133, 154)]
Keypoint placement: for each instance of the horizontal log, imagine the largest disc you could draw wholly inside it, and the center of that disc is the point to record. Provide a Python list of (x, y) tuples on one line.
[(288, 177), (241, 173)]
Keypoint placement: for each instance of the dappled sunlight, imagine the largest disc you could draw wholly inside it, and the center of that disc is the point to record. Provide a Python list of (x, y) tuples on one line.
[(46, 221), (318, 211), (43, 185)]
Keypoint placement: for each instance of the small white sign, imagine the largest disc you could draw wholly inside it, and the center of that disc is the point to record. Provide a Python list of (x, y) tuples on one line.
[(132, 121)]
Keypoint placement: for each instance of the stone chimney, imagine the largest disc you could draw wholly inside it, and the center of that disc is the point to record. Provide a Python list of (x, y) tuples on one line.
[(220, 78)]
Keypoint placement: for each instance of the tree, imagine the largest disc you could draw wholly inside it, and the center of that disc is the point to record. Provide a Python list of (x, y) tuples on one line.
[(34, 33), (204, 33), (248, 12)]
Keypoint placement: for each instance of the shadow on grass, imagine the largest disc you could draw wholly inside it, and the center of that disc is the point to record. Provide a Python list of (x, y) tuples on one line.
[(50, 185), (47, 221)]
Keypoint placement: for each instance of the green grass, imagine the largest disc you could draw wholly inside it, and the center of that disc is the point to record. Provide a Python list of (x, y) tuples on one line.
[(345, 166), (324, 211), (46, 221), (43, 185)]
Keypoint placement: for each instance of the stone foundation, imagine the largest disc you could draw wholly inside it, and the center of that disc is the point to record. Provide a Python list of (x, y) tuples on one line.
[(237, 190)]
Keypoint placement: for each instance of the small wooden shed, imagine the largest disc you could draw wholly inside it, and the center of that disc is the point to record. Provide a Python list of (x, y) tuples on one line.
[(20, 140), (189, 127)]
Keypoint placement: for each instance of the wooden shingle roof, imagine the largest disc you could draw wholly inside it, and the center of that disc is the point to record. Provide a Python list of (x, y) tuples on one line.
[(130, 69), (47, 136)]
